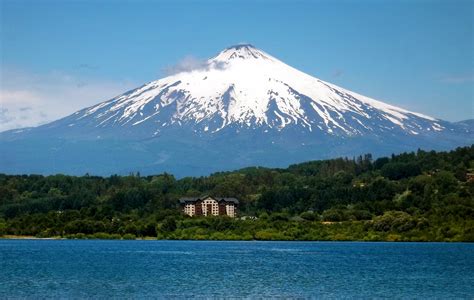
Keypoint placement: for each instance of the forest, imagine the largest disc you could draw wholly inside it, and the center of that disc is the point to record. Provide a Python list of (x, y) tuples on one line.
[(417, 196)]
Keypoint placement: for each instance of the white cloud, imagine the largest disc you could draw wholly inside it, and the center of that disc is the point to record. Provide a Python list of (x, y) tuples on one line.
[(190, 63), (29, 99), (187, 64)]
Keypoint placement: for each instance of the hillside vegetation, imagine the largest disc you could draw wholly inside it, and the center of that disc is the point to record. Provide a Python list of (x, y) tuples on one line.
[(422, 196)]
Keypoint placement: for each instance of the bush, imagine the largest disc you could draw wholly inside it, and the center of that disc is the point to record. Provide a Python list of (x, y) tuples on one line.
[(220, 223), (278, 217), (106, 236), (129, 236), (309, 216), (78, 236), (335, 215), (394, 221), (361, 215), (168, 225), (148, 229), (3, 227), (269, 235)]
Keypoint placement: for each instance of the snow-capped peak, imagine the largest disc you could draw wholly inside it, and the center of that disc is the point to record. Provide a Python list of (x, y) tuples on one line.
[(245, 87), (241, 52)]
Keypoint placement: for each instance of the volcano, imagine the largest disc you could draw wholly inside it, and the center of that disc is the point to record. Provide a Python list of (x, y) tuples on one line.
[(241, 108)]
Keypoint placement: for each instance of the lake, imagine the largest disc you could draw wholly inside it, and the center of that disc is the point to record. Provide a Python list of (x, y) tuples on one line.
[(213, 269)]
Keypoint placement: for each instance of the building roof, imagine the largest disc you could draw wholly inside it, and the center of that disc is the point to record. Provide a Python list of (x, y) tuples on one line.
[(218, 199)]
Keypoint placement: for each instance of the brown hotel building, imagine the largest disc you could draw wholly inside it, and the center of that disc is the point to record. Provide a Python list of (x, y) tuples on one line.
[(209, 206)]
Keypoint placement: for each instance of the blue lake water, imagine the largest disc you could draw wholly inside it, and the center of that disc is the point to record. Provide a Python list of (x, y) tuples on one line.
[(205, 269)]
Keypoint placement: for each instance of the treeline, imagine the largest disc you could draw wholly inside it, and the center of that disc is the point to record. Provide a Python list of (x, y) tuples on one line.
[(422, 196)]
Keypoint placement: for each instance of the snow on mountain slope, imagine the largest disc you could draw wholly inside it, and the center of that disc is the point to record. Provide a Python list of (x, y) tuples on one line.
[(245, 87), (240, 108)]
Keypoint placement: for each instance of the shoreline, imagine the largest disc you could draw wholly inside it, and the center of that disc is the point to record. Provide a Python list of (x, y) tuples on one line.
[(29, 237)]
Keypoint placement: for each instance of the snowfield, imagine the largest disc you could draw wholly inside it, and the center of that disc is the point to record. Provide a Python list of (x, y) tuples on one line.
[(247, 87)]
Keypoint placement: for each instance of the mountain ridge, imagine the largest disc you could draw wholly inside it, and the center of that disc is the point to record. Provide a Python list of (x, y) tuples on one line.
[(241, 107)]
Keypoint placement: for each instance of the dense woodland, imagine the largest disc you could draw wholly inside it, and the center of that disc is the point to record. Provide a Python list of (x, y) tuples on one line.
[(422, 196)]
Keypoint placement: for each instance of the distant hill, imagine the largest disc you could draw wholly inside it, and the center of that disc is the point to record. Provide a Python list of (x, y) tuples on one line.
[(469, 124)]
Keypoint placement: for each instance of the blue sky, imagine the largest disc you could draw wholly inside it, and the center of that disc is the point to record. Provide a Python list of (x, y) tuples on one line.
[(60, 56)]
